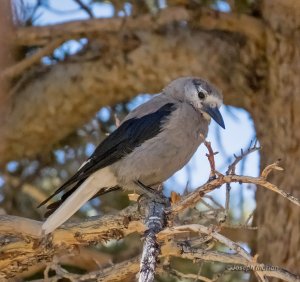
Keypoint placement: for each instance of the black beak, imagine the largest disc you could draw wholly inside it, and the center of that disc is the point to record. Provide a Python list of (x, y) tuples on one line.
[(215, 114)]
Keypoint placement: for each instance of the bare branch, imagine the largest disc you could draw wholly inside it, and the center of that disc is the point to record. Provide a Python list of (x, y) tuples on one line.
[(85, 8), (89, 260), (227, 200), (31, 249), (249, 218), (198, 229), (77, 29), (239, 226), (23, 242), (155, 222), (211, 158), (240, 258), (214, 201), (185, 251), (19, 68), (117, 272), (269, 168), (189, 276), (231, 168), (195, 196), (208, 20)]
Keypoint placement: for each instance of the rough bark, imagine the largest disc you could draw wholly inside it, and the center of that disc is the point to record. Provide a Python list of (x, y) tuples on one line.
[(155, 221), (206, 18), (90, 232), (277, 120), (23, 243), (119, 69), (6, 49)]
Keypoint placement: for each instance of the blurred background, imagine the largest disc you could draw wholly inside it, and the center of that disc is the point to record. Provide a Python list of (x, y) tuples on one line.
[(57, 107)]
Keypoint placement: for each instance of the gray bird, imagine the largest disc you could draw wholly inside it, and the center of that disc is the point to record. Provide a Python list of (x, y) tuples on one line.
[(153, 142)]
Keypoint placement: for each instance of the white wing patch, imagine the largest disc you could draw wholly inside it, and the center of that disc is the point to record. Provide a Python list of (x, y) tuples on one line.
[(84, 163)]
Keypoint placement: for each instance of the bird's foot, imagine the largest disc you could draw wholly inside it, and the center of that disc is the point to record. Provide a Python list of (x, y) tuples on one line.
[(153, 194)]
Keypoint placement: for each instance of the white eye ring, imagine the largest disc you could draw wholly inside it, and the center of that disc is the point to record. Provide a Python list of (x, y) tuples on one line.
[(202, 90)]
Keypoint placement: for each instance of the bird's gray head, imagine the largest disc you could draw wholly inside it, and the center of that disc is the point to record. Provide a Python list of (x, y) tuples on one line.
[(202, 95)]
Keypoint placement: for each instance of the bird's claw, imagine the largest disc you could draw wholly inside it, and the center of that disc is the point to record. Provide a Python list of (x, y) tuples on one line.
[(151, 193)]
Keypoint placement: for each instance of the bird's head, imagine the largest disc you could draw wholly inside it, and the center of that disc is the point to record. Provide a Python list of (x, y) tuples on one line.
[(202, 95)]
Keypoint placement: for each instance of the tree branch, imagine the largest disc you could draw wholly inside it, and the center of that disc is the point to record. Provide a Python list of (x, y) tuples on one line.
[(89, 259), (155, 222), (47, 99), (117, 272), (85, 7), (19, 68), (27, 248), (198, 229), (183, 250), (208, 19), (237, 159), (211, 159), (22, 244), (194, 197)]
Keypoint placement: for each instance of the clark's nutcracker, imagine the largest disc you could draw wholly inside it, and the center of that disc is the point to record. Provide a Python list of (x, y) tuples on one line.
[(153, 142)]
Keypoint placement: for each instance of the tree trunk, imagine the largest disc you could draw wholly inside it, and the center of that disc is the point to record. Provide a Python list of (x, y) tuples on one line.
[(6, 51), (277, 120)]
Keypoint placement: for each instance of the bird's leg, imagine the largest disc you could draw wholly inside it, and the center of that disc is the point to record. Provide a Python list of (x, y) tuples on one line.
[(157, 196), (146, 188), (106, 191)]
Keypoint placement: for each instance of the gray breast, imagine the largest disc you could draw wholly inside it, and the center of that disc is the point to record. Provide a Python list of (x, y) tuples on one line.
[(160, 157)]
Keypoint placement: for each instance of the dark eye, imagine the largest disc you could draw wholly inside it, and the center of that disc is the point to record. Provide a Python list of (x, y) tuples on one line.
[(201, 95)]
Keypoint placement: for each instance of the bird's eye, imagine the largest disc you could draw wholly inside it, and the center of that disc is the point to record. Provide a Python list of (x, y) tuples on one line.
[(201, 95)]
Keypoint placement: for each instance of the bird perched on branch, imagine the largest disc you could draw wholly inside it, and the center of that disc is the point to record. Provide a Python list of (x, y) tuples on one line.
[(153, 142)]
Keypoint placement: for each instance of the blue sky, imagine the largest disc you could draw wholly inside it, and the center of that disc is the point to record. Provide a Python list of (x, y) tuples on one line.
[(239, 126)]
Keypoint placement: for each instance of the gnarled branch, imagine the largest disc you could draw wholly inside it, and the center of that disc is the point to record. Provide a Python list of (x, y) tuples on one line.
[(192, 198), (183, 250), (207, 19), (22, 243), (27, 248)]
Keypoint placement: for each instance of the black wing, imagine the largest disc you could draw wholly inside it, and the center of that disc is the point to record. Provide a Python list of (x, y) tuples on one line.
[(131, 134)]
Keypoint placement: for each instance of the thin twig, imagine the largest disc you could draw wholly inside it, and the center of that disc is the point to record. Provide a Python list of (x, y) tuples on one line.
[(239, 226), (85, 8), (118, 272), (211, 158), (249, 218), (214, 201), (231, 168), (199, 270), (240, 258), (208, 205), (193, 198), (196, 277), (19, 68), (227, 200), (269, 168)]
